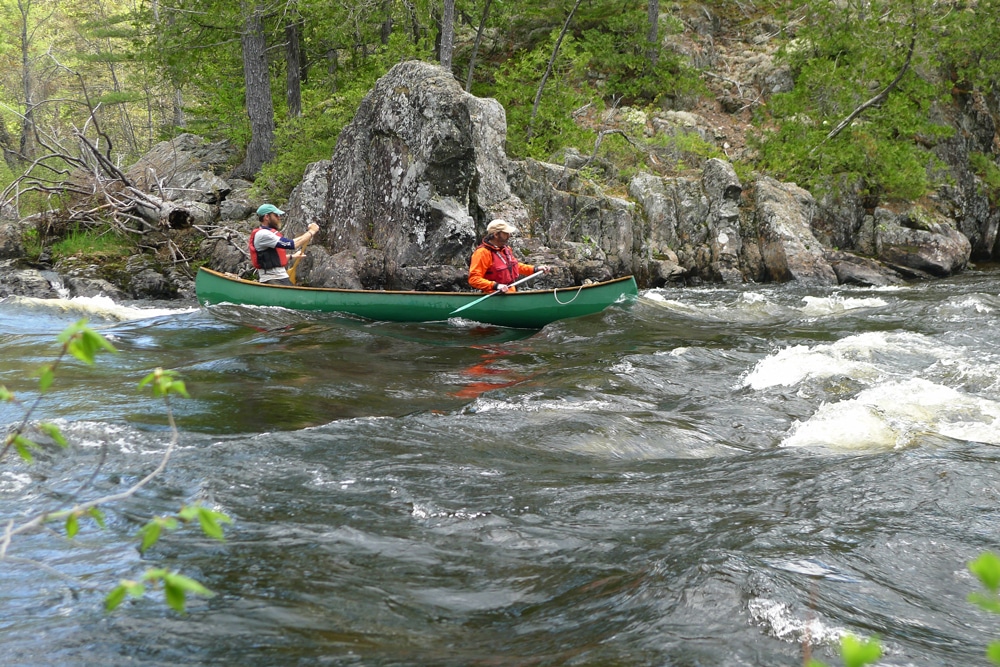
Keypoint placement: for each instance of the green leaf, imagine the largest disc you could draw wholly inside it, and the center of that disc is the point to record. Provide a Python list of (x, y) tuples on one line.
[(175, 596), (97, 515), (858, 653), (987, 602), (150, 534), (72, 525), (164, 382), (210, 520), (135, 589), (987, 570), (45, 378), (177, 586), (53, 432), (83, 342), (24, 446), (115, 597), (5, 394), (993, 652), (187, 584), (188, 513)]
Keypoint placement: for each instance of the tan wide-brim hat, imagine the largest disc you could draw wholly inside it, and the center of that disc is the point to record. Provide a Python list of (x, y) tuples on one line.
[(500, 226)]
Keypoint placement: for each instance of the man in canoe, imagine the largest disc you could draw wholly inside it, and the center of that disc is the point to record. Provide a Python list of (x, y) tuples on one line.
[(494, 267), (269, 248)]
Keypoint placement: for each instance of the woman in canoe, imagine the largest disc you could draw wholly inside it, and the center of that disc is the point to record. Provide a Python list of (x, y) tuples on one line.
[(494, 267)]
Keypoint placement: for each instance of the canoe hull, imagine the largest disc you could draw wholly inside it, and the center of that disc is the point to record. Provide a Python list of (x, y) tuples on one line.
[(524, 310)]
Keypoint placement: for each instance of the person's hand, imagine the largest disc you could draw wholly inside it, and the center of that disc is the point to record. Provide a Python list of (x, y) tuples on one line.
[(313, 228), (297, 254), (503, 288), (543, 269)]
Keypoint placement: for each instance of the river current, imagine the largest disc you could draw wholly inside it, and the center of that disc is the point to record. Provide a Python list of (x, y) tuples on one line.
[(705, 476)]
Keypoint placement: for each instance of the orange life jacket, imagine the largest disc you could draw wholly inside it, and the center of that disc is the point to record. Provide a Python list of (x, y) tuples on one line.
[(504, 266)]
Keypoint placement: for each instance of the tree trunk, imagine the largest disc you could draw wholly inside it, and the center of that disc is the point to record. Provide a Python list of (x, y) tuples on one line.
[(386, 31), (27, 144), (9, 154), (293, 73), (258, 95), (475, 46), (447, 34), (548, 69), (178, 108), (653, 37)]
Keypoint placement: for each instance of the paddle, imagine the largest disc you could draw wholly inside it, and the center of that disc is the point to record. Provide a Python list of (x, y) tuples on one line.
[(483, 298), (291, 269)]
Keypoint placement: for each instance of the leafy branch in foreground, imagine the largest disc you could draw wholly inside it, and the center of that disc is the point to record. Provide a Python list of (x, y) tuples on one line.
[(855, 652), (83, 343), (986, 568)]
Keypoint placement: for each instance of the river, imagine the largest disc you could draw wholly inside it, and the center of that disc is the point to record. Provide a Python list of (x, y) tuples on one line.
[(706, 476)]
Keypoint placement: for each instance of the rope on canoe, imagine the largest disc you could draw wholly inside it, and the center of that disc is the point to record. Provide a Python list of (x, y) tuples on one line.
[(555, 295)]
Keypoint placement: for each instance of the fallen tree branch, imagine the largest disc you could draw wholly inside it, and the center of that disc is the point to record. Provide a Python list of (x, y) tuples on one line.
[(878, 99)]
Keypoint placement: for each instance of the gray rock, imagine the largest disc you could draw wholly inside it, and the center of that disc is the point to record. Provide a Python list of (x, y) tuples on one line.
[(185, 168), (11, 240), (923, 243), (91, 287), (32, 283), (783, 212), (854, 270)]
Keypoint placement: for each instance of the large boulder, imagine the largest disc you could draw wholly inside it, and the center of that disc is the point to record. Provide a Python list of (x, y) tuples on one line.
[(921, 244), (783, 213), (11, 240), (16, 281), (413, 181)]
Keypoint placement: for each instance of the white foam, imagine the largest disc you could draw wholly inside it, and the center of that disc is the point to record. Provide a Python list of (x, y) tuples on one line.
[(854, 356), (780, 622), (103, 307), (12, 482), (834, 305), (890, 415)]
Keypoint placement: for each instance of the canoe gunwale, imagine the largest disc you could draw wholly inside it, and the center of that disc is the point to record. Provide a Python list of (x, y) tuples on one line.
[(341, 290)]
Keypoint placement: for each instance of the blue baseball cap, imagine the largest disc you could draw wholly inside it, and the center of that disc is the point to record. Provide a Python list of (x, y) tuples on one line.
[(268, 208)]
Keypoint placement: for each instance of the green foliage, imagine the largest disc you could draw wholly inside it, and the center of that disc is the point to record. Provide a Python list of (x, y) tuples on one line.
[(164, 383), (79, 341), (84, 343), (987, 170), (93, 242), (566, 90), (620, 54), (986, 568), (856, 652), (175, 586), (841, 59)]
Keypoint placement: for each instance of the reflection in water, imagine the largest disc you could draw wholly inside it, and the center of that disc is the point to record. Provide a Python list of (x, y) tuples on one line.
[(484, 376)]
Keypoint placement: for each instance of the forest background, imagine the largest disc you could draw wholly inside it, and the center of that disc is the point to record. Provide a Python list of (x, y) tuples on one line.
[(870, 82)]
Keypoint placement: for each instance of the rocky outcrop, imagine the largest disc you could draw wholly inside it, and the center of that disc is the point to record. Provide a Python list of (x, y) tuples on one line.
[(421, 170), (413, 181)]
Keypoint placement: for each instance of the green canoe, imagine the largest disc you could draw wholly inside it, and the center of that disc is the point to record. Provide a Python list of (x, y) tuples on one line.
[(523, 310)]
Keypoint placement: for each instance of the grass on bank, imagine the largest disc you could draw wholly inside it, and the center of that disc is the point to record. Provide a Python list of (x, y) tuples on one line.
[(96, 244)]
